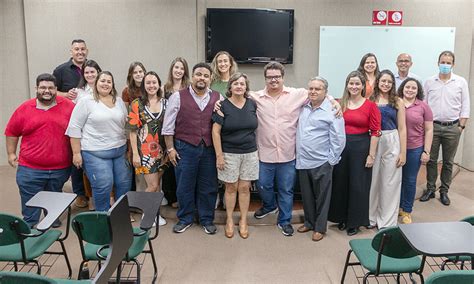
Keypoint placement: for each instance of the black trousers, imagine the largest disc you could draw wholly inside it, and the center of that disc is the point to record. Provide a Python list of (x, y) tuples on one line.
[(316, 187), (351, 184)]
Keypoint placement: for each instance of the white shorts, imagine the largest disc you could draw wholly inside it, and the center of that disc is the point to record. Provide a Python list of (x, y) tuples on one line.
[(239, 166)]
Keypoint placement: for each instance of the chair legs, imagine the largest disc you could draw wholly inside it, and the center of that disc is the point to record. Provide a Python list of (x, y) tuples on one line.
[(69, 269), (138, 270), (80, 269), (345, 266), (153, 260), (15, 266), (39, 266), (367, 276)]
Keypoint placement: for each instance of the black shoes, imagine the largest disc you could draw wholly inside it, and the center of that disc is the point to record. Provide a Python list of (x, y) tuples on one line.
[(341, 226), (427, 195), (352, 231), (262, 212), (443, 197)]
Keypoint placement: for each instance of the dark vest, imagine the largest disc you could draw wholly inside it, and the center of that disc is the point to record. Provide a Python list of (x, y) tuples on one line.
[(192, 124)]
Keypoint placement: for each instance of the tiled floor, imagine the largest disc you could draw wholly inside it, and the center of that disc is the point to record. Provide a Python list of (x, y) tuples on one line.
[(265, 257)]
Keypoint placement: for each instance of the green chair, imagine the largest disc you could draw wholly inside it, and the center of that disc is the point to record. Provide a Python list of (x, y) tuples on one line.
[(149, 204), (387, 253), (121, 237), (463, 258), (94, 235), (451, 276), (19, 243)]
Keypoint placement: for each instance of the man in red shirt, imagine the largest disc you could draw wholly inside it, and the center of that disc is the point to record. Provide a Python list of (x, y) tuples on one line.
[(44, 161)]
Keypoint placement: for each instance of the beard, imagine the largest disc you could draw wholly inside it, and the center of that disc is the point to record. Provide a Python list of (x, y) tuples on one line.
[(45, 101), (200, 86)]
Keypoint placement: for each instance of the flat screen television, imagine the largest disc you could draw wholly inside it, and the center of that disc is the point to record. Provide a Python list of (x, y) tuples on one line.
[(250, 35)]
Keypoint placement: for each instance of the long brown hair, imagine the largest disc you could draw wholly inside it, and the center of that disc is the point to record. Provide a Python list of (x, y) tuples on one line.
[(168, 87), (346, 95), (362, 63), (132, 87), (144, 94), (392, 93)]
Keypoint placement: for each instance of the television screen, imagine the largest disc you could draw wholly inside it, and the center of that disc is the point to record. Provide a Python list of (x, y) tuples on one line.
[(250, 35)]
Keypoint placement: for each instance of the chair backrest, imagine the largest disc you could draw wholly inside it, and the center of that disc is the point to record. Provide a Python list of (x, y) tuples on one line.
[(469, 219), (121, 235), (10, 227), (121, 232), (92, 227), (149, 203), (390, 242), (451, 276), (10, 277)]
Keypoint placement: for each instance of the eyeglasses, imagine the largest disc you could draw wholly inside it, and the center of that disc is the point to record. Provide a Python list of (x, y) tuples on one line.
[(404, 61), (271, 78)]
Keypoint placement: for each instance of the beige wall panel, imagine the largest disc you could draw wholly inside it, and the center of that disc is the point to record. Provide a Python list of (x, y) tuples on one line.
[(117, 32), (13, 68)]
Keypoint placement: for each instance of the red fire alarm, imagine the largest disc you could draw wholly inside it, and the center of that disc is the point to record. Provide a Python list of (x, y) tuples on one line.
[(379, 17), (395, 18)]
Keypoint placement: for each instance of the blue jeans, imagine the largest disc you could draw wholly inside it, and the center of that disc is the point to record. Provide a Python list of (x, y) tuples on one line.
[(196, 180), (31, 181), (105, 169), (409, 174), (77, 181), (285, 175)]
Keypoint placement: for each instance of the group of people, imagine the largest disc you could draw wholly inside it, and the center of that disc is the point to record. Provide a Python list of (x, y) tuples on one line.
[(356, 159)]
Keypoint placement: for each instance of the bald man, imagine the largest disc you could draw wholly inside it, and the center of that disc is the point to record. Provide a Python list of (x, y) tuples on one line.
[(404, 64)]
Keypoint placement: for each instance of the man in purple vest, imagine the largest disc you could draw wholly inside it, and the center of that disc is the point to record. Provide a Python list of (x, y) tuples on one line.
[(187, 130)]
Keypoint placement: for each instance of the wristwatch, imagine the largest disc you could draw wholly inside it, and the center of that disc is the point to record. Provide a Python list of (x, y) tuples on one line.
[(169, 150), (462, 126), (426, 152)]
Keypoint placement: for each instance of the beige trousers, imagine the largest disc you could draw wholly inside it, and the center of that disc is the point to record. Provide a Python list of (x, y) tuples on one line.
[(386, 181)]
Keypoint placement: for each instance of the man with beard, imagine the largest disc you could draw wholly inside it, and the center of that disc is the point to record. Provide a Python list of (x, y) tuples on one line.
[(68, 76), (187, 129), (44, 162)]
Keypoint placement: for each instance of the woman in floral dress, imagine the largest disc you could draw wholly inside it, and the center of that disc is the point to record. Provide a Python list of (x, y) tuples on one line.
[(145, 121)]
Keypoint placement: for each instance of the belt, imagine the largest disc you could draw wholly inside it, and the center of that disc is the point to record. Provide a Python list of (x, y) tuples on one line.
[(446, 123)]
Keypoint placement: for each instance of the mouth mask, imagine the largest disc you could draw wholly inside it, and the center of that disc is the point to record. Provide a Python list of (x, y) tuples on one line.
[(445, 68)]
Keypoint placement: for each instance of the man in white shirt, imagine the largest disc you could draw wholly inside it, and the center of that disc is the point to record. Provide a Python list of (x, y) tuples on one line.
[(404, 64), (448, 96)]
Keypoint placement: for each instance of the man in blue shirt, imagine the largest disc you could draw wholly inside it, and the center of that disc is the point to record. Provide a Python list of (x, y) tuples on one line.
[(320, 139)]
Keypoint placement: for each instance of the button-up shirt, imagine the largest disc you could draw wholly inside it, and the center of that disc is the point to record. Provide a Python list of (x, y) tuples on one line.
[(277, 122), (320, 137), (174, 104), (448, 100), (399, 80)]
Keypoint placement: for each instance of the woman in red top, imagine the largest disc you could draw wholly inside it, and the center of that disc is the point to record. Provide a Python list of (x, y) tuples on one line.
[(352, 176)]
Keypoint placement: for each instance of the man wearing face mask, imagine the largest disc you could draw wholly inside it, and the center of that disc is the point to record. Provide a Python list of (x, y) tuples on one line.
[(44, 162), (448, 96)]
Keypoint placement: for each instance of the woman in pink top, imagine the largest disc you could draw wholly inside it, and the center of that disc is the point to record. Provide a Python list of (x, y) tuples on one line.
[(419, 122)]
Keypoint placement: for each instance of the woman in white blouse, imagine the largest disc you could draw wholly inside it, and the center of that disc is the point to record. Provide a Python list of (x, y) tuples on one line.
[(98, 141), (85, 88)]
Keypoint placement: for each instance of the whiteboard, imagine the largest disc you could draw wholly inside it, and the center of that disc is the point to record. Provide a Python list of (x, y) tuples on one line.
[(342, 47)]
